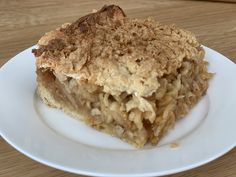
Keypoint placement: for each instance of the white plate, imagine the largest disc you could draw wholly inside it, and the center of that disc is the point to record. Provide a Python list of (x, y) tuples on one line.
[(49, 136)]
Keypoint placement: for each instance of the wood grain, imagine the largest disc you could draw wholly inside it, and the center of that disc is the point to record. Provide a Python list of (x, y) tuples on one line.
[(23, 22)]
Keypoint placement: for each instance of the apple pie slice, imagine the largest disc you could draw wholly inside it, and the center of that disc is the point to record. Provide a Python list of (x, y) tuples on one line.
[(131, 78)]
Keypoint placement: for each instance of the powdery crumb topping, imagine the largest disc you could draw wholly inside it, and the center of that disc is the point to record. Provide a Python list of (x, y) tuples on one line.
[(118, 53)]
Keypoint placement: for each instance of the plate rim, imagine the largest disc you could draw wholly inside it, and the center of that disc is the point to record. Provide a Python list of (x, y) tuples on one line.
[(89, 173)]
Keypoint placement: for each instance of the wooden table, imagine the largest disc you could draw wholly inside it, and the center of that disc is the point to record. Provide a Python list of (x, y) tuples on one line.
[(23, 22)]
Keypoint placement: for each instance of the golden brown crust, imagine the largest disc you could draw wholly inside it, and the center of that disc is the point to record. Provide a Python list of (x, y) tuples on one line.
[(117, 53)]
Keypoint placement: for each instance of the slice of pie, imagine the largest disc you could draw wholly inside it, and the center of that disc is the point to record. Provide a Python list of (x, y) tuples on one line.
[(131, 78)]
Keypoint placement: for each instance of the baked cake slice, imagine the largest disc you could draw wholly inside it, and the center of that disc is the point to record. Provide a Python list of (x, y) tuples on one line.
[(131, 78)]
